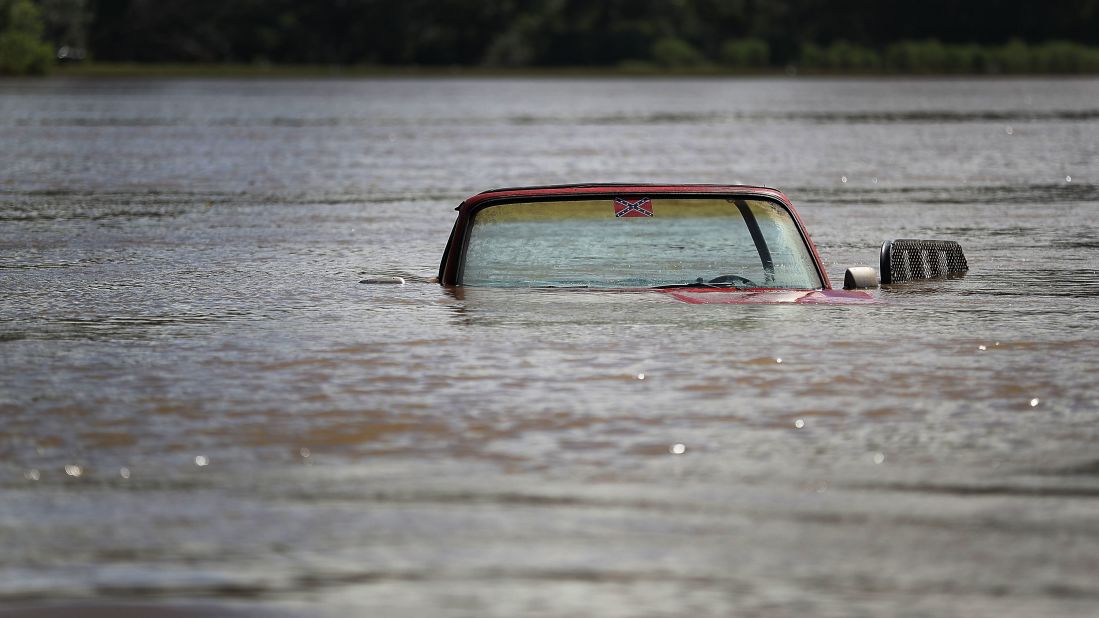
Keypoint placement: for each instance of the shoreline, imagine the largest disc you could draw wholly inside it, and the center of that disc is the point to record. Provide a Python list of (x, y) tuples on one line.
[(167, 609), (296, 71)]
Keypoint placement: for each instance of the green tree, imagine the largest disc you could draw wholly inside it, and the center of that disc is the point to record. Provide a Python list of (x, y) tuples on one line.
[(1015, 57), (1064, 57), (931, 36), (845, 56), (675, 53), (22, 50), (746, 53)]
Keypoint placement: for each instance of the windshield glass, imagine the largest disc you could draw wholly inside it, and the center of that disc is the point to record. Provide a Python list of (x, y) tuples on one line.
[(637, 242)]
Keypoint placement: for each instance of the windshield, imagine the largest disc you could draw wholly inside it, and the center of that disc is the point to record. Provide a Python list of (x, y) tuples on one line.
[(637, 242)]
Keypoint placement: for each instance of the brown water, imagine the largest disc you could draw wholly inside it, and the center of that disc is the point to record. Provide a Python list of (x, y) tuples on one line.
[(179, 266)]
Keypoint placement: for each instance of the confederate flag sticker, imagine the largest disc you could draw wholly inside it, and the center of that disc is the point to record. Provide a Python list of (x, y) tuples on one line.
[(623, 207)]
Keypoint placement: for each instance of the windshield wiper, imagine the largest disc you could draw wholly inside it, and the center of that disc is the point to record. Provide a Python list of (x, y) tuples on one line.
[(698, 283)]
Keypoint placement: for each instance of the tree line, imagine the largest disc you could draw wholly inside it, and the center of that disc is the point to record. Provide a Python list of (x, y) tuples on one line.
[(966, 36)]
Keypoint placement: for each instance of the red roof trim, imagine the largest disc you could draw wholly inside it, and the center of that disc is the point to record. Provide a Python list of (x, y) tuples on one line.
[(613, 189)]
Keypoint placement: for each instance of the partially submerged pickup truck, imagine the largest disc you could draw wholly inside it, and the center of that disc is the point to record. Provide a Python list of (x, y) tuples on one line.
[(695, 243)]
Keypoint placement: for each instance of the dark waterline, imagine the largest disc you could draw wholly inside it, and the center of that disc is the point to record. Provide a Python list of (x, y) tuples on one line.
[(201, 404)]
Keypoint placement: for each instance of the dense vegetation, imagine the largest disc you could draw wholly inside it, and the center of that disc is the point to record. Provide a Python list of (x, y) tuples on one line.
[(22, 49), (933, 36)]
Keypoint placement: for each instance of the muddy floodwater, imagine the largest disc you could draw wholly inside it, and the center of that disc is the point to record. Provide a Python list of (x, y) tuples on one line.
[(203, 410)]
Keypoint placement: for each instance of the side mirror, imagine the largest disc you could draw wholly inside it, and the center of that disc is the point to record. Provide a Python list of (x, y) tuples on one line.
[(860, 277), (905, 260)]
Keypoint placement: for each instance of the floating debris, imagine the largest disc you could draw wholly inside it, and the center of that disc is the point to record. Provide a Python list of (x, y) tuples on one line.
[(379, 280)]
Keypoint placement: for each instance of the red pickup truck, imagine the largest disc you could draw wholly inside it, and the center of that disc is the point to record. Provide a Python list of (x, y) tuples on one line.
[(693, 243)]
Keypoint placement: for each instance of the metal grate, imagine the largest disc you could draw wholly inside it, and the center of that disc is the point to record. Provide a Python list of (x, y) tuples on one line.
[(905, 260)]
